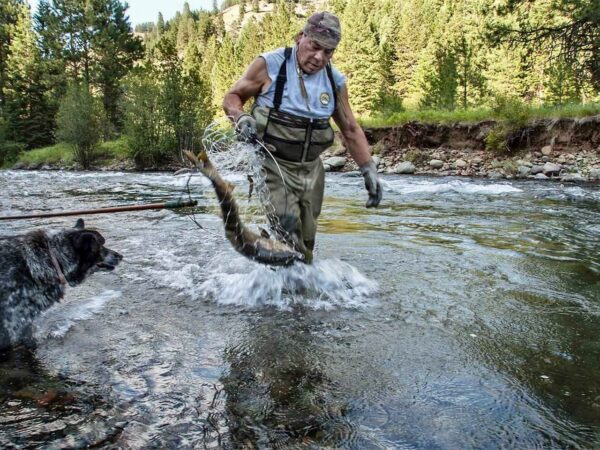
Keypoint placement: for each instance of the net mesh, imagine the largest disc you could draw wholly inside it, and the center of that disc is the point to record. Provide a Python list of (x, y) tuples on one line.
[(228, 154)]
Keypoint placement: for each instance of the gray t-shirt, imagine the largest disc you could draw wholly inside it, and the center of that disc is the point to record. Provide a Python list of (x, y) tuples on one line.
[(320, 94)]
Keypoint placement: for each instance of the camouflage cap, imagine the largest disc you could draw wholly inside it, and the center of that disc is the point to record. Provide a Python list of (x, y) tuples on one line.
[(324, 28)]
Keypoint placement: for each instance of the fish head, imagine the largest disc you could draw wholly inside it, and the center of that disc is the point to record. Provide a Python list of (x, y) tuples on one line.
[(276, 253)]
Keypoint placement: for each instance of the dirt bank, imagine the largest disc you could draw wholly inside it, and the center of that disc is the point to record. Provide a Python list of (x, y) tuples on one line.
[(559, 149), (562, 149)]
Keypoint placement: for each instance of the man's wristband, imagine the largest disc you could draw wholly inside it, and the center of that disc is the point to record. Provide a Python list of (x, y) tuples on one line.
[(365, 167), (240, 116)]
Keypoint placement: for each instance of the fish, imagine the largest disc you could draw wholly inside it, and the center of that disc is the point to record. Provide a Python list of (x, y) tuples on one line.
[(257, 247)]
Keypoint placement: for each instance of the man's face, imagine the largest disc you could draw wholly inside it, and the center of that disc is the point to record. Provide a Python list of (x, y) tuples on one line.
[(312, 57)]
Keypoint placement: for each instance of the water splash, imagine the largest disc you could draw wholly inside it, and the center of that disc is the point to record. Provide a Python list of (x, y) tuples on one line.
[(326, 284)]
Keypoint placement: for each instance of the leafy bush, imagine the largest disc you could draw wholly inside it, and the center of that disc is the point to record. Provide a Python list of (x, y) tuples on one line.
[(9, 152), (56, 154), (149, 138), (513, 116), (79, 123), (117, 149), (511, 110), (416, 156)]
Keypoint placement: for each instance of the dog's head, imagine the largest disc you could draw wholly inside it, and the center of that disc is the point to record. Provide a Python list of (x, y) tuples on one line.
[(86, 254)]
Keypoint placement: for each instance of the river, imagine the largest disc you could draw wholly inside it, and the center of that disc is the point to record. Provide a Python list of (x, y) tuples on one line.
[(459, 314)]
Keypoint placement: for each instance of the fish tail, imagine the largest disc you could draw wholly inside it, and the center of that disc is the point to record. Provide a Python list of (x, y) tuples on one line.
[(192, 158)]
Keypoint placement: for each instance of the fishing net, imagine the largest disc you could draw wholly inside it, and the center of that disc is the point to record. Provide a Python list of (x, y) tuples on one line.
[(228, 154)]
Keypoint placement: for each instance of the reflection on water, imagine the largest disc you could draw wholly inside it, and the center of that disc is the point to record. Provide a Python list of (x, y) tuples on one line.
[(277, 391), (459, 314)]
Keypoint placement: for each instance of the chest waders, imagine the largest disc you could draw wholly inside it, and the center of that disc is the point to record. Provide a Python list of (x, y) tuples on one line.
[(295, 138), (297, 143)]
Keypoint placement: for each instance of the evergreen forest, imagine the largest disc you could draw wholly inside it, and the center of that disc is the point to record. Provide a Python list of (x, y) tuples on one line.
[(78, 72)]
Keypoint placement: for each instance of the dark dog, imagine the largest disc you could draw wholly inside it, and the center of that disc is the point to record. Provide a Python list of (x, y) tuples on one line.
[(34, 271)]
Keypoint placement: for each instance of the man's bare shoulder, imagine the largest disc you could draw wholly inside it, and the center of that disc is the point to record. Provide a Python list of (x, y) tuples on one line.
[(257, 69)]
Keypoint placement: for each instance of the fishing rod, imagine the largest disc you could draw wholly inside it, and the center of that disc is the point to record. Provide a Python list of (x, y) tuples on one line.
[(173, 204)]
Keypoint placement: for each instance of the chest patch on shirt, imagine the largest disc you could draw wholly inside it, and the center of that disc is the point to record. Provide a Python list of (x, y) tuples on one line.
[(324, 98)]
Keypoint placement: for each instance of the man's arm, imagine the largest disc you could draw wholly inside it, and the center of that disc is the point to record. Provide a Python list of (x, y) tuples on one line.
[(356, 143), (354, 136), (253, 82)]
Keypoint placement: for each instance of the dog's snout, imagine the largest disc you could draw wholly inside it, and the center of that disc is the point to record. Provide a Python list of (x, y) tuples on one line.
[(110, 259)]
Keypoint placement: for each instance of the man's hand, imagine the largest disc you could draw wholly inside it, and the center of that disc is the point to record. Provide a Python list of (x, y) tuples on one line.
[(372, 183), (245, 128)]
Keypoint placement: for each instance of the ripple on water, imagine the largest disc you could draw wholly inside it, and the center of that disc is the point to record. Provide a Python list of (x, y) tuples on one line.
[(56, 322), (458, 186)]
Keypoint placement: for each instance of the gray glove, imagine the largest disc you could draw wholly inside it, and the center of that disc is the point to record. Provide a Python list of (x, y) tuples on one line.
[(372, 183), (245, 128)]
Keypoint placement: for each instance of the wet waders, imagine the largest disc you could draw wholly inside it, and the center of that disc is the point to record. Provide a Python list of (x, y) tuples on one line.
[(296, 142)]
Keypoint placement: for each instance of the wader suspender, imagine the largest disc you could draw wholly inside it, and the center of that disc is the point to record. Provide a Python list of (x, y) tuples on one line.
[(296, 138), (282, 79)]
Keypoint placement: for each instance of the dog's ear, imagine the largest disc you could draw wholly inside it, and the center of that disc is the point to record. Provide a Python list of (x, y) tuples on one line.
[(79, 224), (88, 242)]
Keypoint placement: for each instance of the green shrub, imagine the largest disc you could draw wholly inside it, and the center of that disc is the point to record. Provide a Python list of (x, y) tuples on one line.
[(511, 110), (9, 152), (513, 116), (117, 149), (495, 141), (510, 167), (56, 154), (416, 156), (79, 123)]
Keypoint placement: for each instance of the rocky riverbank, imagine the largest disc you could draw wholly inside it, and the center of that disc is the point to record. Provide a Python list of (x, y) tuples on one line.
[(562, 149)]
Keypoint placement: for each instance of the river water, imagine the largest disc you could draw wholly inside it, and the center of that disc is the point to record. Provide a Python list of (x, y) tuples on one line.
[(460, 314)]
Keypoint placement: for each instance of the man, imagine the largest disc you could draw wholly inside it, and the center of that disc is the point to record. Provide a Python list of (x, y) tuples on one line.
[(296, 91)]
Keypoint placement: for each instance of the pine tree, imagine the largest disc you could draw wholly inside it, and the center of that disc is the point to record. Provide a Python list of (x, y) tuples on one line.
[(249, 43), (25, 99), (280, 27), (439, 81), (10, 11), (414, 24), (359, 57), (87, 41), (160, 24), (225, 71), (568, 27), (115, 50)]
